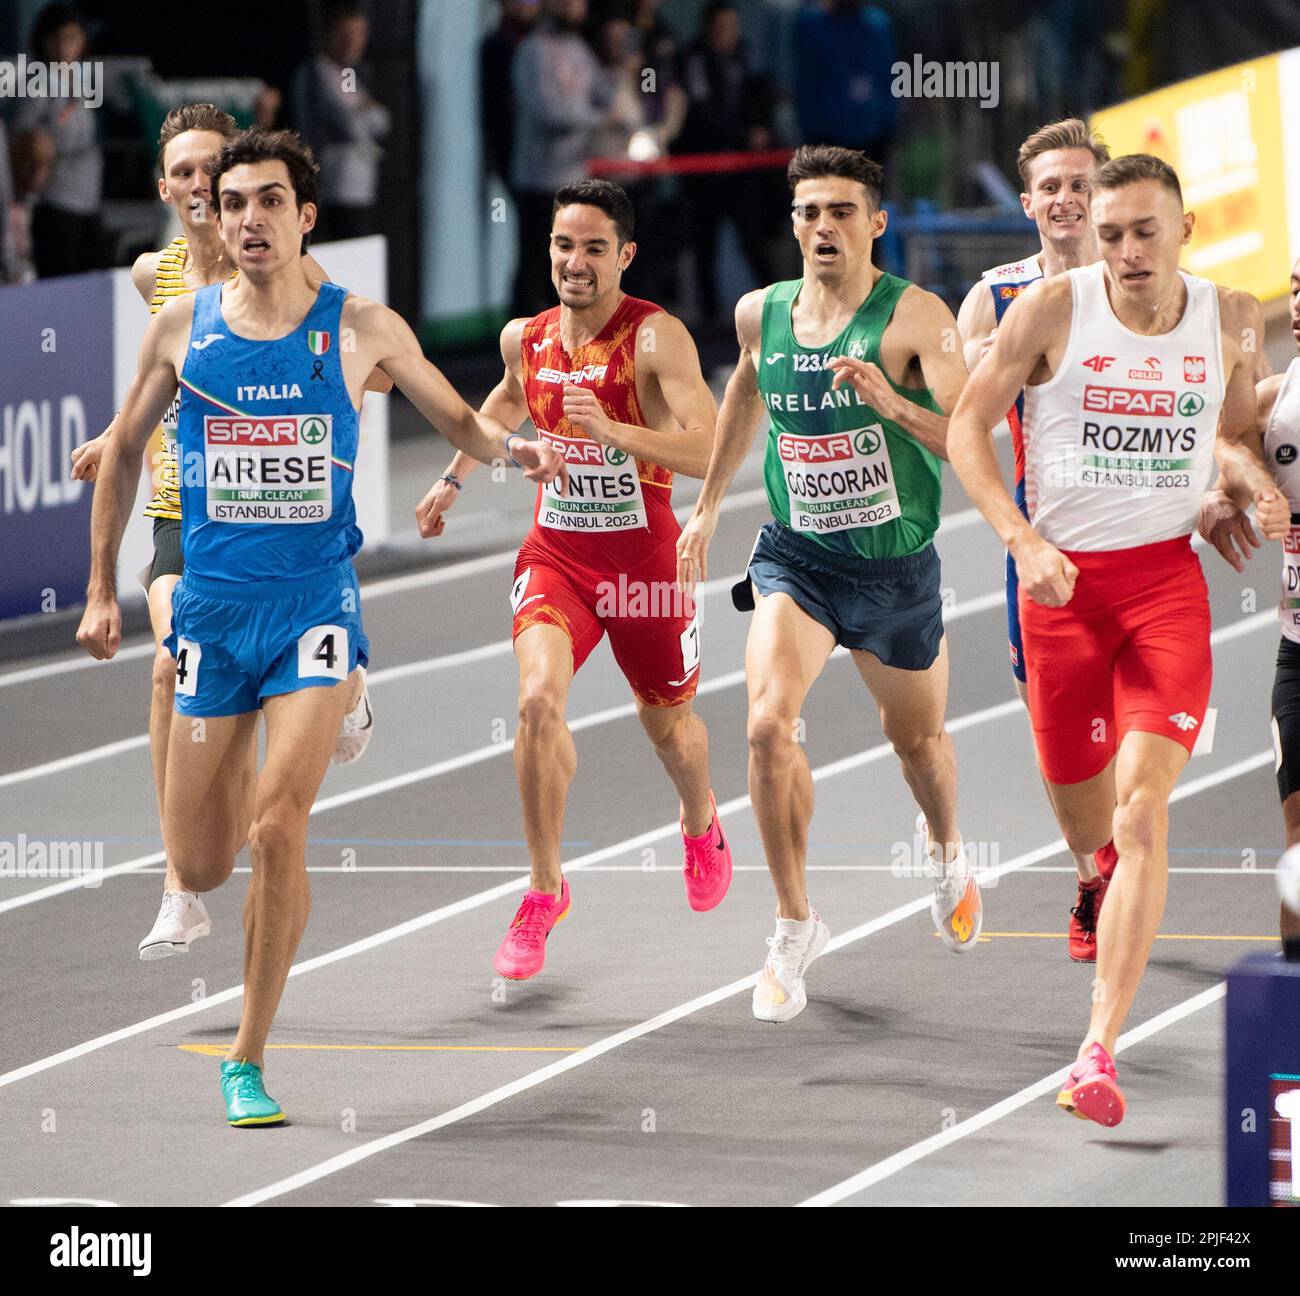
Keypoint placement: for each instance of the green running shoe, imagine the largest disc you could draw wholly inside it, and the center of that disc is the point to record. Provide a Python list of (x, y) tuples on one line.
[(246, 1098)]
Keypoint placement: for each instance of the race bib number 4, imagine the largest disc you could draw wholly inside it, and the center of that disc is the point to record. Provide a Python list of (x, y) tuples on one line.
[(604, 491), (271, 469), (839, 480)]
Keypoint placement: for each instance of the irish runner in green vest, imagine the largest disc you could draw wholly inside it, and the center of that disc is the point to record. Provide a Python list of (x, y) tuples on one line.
[(855, 369)]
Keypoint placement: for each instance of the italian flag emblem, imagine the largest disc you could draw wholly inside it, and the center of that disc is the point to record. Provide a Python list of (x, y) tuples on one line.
[(317, 343)]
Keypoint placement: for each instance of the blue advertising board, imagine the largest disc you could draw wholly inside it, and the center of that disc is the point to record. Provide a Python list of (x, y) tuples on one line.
[(56, 390)]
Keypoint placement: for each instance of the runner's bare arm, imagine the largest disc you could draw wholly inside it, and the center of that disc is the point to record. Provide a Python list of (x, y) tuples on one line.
[(395, 349), (975, 321), (87, 456), (738, 423), (378, 381), (144, 274), (927, 333), (150, 393), (674, 364), (507, 404), (991, 391), (1239, 445)]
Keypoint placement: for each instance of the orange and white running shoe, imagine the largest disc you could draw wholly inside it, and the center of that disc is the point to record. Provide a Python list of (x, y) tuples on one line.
[(779, 994), (1091, 1090), (957, 909)]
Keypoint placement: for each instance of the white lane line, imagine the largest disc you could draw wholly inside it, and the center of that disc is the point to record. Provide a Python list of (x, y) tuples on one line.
[(475, 901), (71, 762), (589, 1054), (919, 1151), (714, 684), (370, 590), (426, 665), (65, 664)]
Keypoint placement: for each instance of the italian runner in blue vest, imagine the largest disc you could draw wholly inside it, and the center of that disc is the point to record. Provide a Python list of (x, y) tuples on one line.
[(267, 616)]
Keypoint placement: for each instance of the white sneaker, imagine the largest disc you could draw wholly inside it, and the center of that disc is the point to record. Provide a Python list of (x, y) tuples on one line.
[(957, 909), (779, 994), (181, 920), (357, 726)]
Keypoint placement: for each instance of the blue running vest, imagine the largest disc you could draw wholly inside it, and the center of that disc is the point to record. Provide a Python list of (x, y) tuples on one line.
[(266, 440)]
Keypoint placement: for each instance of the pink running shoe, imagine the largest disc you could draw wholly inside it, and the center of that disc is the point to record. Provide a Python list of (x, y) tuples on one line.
[(523, 951), (708, 865), (1091, 1091)]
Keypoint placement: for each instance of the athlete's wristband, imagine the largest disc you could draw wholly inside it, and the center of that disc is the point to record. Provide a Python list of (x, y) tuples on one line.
[(510, 438), (452, 478)]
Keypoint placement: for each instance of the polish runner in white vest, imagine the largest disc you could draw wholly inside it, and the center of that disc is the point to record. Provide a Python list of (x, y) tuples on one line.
[(1126, 366)]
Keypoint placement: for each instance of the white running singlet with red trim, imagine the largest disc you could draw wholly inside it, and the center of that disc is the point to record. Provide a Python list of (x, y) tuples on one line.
[(1282, 455), (1119, 442)]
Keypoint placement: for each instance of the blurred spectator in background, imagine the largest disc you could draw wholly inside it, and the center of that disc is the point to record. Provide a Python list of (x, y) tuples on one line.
[(844, 51), (496, 90), (342, 123), (562, 97), (62, 158), (10, 216), (731, 110), (647, 110)]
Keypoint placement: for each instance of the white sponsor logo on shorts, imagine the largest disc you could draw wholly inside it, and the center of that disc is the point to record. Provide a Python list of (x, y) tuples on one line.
[(1183, 721)]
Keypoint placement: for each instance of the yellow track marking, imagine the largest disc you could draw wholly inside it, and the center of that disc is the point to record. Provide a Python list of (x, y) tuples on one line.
[(220, 1050)]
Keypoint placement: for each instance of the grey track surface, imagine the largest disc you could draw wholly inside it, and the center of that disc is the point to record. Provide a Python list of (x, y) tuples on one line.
[(900, 1040)]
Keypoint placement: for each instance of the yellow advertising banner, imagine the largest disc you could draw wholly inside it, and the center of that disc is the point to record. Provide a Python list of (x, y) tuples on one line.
[(1223, 134)]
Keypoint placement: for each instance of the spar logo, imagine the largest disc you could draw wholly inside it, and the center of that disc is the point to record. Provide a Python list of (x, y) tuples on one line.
[(580, 451), (1128, 400), (1194, 369), (615, 456), (284, 430), (1190, 404), (831, 449), (251, 431)]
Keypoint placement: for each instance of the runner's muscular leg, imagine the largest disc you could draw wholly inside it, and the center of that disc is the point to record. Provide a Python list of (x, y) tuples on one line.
[(545, 756), (1290, 923), (1146, 768), (1086, 810), (682, 744), (1085, 865), (161, 696), (300, 731), (912, 706), (205, 808), (784, 654)]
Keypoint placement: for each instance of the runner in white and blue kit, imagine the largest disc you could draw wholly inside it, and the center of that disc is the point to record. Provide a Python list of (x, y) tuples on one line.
[(266, 619), (1056, 165)]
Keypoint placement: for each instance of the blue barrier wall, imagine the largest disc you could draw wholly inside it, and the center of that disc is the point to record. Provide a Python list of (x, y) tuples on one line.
[(56, 390)]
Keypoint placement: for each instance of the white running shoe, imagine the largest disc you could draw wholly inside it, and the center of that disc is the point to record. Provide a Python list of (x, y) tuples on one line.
[(957, 909), (779, 994), (181, 920), (357, 726)]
